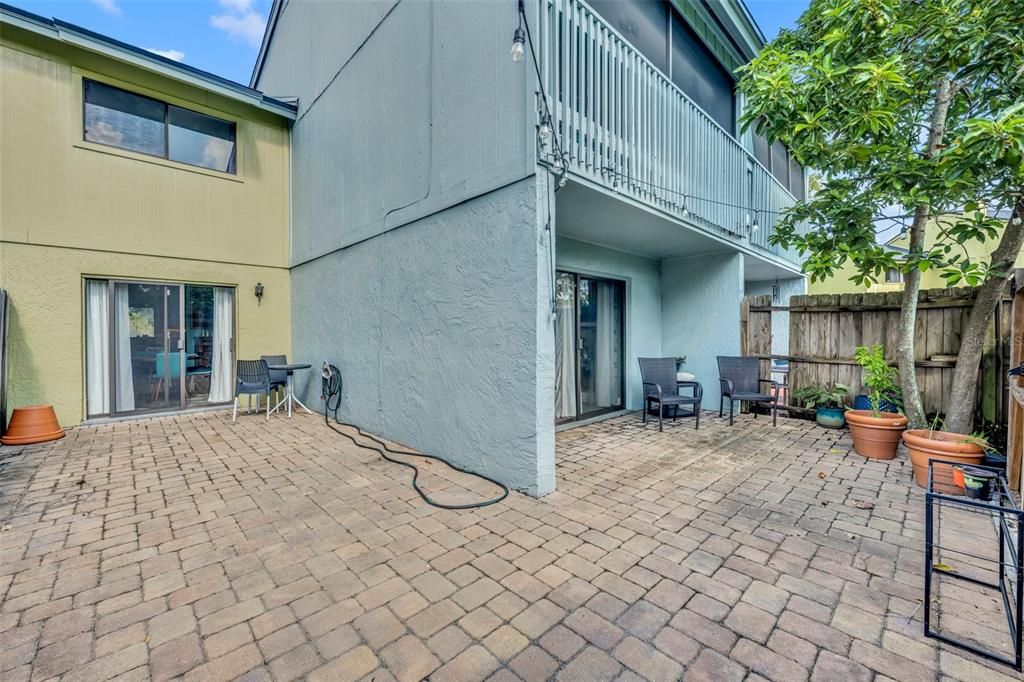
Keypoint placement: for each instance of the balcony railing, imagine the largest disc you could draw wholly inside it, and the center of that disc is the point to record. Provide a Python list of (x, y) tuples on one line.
[(626, 126)]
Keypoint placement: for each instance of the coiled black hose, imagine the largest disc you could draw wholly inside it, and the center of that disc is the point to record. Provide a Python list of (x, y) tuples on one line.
[(330, 384)]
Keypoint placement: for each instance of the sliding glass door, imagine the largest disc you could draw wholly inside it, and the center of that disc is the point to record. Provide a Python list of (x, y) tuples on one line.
[(153, 346), (589, 346)]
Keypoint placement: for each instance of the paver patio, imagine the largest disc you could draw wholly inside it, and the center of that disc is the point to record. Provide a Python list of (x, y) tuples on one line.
[(189, 546)]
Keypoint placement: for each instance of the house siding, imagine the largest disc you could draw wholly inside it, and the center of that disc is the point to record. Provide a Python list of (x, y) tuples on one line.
[(701, 298), (419, 265), (45, 284), (70, 210), (116, 201), (434, 329), (405, 109)]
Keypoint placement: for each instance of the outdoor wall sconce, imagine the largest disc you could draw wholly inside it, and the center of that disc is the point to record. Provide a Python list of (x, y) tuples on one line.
[(259, 292)]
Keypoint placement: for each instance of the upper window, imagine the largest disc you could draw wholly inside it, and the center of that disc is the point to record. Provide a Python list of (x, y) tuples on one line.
[(125, 120), (893, 276)]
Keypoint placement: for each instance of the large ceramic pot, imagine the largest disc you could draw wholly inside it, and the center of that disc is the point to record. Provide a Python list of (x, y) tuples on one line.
[(32, 424), (925, 445), (875, 437), (830, 417), (863, 402)]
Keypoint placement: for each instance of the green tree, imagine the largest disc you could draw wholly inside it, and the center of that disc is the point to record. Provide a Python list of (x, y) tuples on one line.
[(916, 104)]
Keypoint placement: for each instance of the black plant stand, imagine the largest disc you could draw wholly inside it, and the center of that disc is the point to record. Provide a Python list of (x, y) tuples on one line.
[(1003, 557)]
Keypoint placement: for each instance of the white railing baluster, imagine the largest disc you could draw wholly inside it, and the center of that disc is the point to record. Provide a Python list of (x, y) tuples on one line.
[(614, 110)]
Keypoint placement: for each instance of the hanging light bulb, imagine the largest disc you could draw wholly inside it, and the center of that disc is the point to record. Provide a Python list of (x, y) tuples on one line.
[(545, 128), (518, 45), (755, 227), (562, 180), (686, 211)]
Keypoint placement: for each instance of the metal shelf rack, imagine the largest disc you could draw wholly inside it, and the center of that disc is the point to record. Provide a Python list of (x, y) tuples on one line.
[(984, 544)]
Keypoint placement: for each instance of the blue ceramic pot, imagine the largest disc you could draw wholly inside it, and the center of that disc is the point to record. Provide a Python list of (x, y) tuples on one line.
[(830, 417), (862, 402)]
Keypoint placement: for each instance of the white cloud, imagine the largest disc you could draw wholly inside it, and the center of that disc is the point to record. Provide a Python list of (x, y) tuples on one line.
[(109, 6), (240, 21), (238, 6), (174, 55)]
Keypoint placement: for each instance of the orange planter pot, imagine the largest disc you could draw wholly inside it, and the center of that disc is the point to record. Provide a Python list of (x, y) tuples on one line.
[(875, 437), (925, 446), (32, 424)]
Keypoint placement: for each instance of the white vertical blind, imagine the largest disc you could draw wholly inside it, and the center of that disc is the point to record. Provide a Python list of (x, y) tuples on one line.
[(97, 347), (221, 390)]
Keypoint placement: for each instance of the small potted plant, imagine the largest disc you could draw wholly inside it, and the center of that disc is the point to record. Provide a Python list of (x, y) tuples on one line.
[(876, 432), (933, 443), (828, 403), (680, 374)]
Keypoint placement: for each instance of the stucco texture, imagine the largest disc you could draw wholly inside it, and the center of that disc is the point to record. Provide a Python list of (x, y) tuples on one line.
[(60, 190), (643, 301), (434, 328), (701, 314), (405, 109), (45, 285)]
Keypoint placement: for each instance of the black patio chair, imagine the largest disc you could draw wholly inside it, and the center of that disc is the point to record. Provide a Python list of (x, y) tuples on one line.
[(278, 377), (253, 378), (740, 380), (662, 387)]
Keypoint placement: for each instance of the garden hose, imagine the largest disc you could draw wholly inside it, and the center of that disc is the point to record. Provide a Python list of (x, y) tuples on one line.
[(330, 393)]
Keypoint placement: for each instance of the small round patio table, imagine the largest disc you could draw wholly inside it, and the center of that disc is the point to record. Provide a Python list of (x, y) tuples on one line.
[(289, 398)]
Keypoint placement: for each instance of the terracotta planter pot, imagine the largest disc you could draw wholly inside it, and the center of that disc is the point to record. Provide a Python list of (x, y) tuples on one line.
[(32, 424), (875, 437), (954, 447)]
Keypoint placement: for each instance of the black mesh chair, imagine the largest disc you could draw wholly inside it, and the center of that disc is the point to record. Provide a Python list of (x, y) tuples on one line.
[(662, 387), (253, 378), (278, 377), (740, 380)]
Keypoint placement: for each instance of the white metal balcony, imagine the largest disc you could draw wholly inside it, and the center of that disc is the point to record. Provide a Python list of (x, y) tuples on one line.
[(627, 127)]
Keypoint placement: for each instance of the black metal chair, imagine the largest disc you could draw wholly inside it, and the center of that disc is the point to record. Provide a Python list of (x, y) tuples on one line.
[(740, 380), (662, 387), (252, 378), (278, 377)]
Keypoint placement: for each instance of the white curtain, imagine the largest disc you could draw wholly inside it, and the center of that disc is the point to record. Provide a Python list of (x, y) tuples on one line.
[(606, 364), (223, 323), (565, 348), (125, 383), (97, 347)]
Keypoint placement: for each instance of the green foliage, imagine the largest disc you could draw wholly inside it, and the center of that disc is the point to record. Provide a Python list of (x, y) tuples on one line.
[(832, 395), (879, 377), (851, 92)]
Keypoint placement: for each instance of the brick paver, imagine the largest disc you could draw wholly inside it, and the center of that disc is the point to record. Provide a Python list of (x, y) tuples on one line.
[(192, 547)]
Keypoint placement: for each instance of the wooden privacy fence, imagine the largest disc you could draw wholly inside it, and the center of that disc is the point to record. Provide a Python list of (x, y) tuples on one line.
[(825, 330)]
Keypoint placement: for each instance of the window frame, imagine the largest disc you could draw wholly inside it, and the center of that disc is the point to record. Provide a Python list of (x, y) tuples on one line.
[(898, 275), (80, 140)]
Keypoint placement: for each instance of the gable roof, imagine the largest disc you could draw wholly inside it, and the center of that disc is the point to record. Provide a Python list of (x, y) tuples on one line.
[(731, 18), (70, 34), (268, 34)]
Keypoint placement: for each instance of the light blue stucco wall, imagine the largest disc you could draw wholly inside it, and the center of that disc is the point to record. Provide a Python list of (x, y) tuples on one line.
[(404, 109), (434, 327), (418, 253), (794, 286), (643, 300), (701, 298)]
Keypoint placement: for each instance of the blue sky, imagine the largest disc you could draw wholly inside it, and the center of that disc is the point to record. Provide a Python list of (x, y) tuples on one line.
[(223, 36)]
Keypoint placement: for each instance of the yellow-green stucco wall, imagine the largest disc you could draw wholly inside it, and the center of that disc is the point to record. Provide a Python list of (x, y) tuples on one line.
[(70, 209), (840, 282), (46, 326)]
